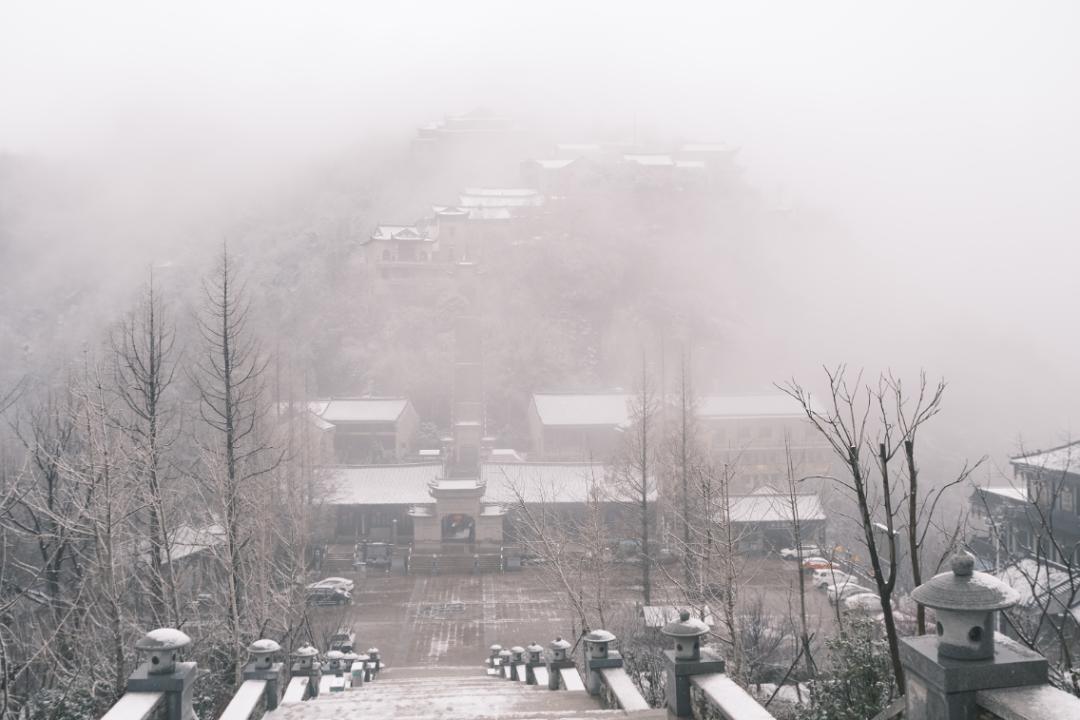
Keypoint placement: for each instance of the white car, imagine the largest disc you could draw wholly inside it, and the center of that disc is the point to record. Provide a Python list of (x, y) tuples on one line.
[(844, 590), (863, 602), (824, 578), (333, 582), (792, 553)]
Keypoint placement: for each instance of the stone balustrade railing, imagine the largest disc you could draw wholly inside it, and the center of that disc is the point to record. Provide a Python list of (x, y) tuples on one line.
[(137, 706)]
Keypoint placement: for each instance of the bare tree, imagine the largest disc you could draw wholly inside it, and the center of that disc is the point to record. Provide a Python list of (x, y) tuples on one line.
[(143, 350), (636, 473), (228, 376), (864, 422)]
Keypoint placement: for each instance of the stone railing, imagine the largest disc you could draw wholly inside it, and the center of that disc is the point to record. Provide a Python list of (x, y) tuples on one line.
[(138, 706), (249, 702), (716, 696)]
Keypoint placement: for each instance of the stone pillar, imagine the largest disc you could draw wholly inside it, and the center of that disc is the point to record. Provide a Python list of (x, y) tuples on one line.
[(943, 672), (376, 662), (263, 667), (518, 658), (557, 662), (599, 656), (306, 664), (535, 659), (163, 671), (493, 656), (686, 660)]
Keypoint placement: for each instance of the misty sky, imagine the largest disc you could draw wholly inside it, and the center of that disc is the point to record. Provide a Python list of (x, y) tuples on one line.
[(942, 135)]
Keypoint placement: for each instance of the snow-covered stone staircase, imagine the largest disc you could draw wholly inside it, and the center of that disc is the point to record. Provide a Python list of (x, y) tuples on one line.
[(450, 694)]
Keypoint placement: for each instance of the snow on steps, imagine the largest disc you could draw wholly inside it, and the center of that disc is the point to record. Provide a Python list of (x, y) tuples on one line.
[(451, 696)]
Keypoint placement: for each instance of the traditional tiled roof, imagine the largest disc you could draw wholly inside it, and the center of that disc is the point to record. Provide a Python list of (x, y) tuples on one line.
[(360, 410), (381, 484), (582, 410), (500, 198), (550, 483), (650, 160), (766, 505), (402, 232)]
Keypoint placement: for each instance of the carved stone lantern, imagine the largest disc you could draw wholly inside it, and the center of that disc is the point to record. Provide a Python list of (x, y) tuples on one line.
[(262, 654), (945, 673), (965, 602), (336, 662), (596, 644), (505, 657), (304, 660), (493, 654), (348, 659), (558, 649), (536, 654), (518, 653), (687, 633), (162, 647)]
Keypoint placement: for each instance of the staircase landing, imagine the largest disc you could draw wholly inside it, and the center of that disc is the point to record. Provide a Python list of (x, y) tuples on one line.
[(454, 694)]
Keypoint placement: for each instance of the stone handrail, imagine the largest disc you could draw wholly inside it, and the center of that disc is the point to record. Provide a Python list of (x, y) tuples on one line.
[(136, 706), (716, 696), (620, 692), (570, 679), (1035, 702), (249, 702), (296, 689)]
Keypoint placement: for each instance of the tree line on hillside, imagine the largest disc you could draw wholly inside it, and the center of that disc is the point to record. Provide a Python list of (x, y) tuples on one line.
[(154, 481)]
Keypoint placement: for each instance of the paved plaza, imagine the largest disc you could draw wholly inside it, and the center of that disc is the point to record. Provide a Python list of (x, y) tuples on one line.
[(423, 622)]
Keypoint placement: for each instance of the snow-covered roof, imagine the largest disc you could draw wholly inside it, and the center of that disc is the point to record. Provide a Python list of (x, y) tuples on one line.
[(615, 409), (186, 540), (747, 406), (650, 160), (500, 197), (382, 484), (360, 410), (1034, 580), (690, 164), (1017, 494), (766, 505), (551, 483), (506, 483), (558, 164), (1060, 459), (705, 148), (582, 410)]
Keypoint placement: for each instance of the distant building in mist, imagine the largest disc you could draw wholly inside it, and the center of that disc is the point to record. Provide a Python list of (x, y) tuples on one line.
[(751, 435)]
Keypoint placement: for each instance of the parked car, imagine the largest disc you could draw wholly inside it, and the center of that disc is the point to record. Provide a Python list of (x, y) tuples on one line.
[(333, 582), (863, 602), (842, 591), (816, 563), (328, 595), (825, 577), (792, 553), (343, 640)]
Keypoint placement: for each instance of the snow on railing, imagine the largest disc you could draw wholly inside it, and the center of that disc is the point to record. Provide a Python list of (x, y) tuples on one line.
[(135, 706), (248, 703), (1035, 702), (724, 696)]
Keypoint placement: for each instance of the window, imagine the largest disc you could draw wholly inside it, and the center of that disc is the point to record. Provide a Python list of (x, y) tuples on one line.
[(1067, 501)]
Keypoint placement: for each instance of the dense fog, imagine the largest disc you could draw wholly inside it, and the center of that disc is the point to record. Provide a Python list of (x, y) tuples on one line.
[(914, 169)]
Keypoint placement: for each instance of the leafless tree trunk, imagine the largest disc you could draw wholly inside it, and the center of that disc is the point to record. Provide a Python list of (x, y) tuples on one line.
[(143, 350), (228, 376)]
